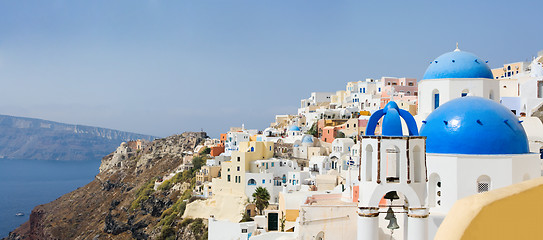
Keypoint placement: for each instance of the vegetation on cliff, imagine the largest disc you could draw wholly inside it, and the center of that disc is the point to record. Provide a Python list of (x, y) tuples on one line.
[(122, 203)]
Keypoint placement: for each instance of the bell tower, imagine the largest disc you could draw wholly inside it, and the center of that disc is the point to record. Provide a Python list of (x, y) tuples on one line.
[(394, 169)]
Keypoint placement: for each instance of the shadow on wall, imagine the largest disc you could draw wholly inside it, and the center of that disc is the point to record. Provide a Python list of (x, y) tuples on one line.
[(506, 213)]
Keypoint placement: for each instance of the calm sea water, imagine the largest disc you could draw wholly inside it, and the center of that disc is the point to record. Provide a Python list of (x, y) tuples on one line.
[(25, 184)]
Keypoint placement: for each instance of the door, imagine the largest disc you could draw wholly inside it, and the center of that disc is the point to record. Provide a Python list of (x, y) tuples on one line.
[(273, 221)]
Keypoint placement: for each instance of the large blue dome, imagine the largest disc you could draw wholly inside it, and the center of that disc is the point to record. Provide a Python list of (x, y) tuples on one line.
[(474, 125), (458, 64)]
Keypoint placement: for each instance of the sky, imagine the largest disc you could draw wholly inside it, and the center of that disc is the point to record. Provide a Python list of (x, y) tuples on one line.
[(165, 67)]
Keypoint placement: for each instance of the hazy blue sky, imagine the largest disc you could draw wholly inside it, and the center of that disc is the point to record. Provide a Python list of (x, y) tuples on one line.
[(164, 67)]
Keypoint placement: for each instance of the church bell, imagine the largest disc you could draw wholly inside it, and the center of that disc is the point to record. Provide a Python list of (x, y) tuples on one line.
[(393, 224), (390, 214)]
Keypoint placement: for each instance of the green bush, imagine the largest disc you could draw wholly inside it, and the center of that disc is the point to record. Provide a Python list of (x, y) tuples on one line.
[(143, 194), (206, 150), (313, 130), (167, 233)]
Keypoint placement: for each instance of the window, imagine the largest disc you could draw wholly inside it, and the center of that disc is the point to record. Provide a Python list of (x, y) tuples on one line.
[(436, 98), (434, 194), (465, 92), (363, 90), (272, 164), (410, 84), (379, 89), (228, 178), (483, 184), (263, 181), (238, 168), (239, 159)]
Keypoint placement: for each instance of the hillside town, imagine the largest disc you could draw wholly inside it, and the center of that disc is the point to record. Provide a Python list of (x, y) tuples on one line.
[(385, 158)]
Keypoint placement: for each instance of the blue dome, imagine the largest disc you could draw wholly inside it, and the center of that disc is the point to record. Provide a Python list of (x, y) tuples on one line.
[(392, 122), (474, 125), (458, 64), (307, 139), (294, 128)]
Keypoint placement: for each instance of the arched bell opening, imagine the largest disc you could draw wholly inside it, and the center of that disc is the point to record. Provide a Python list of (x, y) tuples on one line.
[(393, 215)]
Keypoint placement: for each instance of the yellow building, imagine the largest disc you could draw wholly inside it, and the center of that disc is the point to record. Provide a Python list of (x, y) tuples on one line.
[(233, 172)]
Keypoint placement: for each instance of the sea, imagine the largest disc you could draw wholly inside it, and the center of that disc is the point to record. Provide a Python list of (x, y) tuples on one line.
[(25, 184)]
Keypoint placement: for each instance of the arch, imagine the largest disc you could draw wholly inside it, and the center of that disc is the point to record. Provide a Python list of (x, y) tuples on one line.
[(483, 183), (334, 158), (435, 99), (418, 165), (251, 182), (408, 193), (369, 162), (465, 92), (434, 190), (392, 164), (320, 236)]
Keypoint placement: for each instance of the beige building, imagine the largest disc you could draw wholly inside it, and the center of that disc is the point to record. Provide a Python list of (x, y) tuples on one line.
[(233, 172), (510, 70), (206, 173), (339, 98)]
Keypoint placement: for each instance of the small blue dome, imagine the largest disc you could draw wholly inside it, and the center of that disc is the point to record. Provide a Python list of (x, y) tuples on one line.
[(307, 139), (474, 125), (294, 128), (458, 64), (296, 145), (392, 122)]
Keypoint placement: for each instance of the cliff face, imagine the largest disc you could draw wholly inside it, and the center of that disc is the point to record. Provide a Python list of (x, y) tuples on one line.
[(121, 203), (29, 138)]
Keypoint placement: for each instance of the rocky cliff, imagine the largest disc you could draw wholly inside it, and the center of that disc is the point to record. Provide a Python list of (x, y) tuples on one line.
[(128, 199), (30, 138)]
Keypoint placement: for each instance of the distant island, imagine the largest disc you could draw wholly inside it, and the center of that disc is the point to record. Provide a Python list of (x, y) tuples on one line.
[(30, 138)]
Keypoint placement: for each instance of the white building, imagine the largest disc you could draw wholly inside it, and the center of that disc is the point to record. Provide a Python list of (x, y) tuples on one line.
[(272, 174), (341, 153), (232, 141), (521, 86), (453, 75), (473, 145), (316, 98)]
